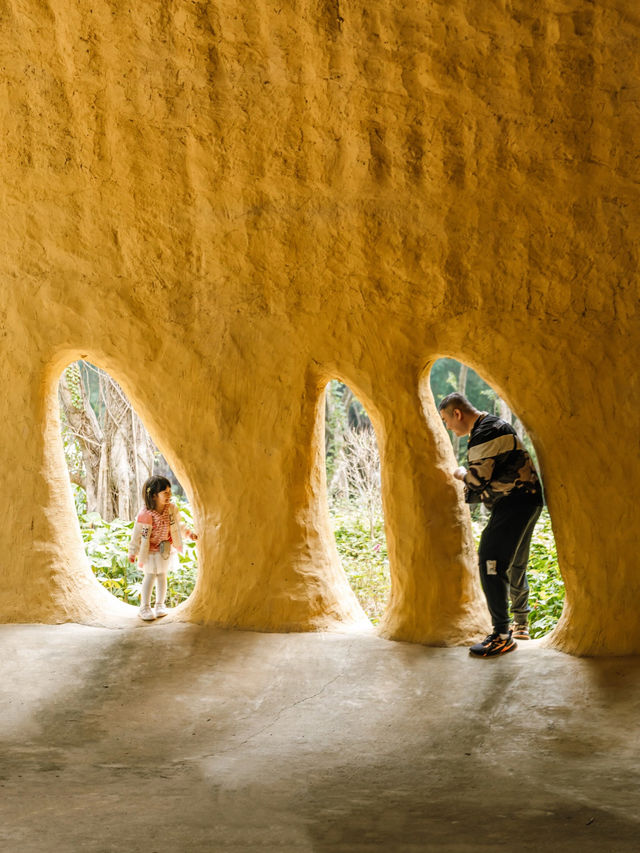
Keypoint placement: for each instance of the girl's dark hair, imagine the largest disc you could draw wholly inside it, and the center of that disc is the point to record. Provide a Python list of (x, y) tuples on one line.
[(151, 488)]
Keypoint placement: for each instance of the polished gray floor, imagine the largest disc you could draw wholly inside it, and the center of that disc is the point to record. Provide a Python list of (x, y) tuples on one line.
[(169, 737)]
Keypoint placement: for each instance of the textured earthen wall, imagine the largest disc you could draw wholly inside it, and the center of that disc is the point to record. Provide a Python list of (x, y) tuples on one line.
[(227, 204)]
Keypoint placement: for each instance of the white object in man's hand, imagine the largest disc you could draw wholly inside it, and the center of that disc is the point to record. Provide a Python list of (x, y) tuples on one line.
[(460, 473)]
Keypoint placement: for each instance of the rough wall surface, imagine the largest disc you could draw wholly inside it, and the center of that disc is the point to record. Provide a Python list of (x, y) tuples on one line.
[(226, 205)]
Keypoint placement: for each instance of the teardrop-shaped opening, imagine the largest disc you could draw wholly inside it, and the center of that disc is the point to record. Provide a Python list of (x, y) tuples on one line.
[(110, 455), (535, 574), (354, 496)]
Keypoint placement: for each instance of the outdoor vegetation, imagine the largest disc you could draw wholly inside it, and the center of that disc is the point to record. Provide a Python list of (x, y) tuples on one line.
[(110, 454)]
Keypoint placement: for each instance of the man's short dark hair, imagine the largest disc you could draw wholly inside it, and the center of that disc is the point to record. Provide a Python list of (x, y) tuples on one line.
[(456, 401)]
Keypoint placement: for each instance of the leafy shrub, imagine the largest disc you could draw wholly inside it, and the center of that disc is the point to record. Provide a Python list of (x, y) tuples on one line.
[(363, 552), (546, 587)]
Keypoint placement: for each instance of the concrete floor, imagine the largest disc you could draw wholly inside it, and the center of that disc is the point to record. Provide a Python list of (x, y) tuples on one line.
[(169, 737)]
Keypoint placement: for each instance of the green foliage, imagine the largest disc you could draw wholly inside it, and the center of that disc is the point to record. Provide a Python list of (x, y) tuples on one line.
[(72, 374), (364, 558), (89, 375), (546, 595), (182, 580), (107, 545), (336, 424)]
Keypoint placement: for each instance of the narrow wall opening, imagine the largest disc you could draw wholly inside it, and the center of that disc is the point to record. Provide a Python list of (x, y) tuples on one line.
[(546, 588), (109, 455), (355, 500)]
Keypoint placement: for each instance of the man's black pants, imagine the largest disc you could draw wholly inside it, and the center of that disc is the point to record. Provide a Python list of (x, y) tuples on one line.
[(508, 531)]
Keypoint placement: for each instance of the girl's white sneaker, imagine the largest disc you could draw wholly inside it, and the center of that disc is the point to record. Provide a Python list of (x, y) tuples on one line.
[(161, 611), (147, 614)]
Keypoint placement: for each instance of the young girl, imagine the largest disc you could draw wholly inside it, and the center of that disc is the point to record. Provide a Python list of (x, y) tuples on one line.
[(157, 532)]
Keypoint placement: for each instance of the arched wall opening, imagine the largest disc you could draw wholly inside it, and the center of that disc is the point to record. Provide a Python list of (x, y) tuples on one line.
[(546, 587), (109, 454), (354, 498)]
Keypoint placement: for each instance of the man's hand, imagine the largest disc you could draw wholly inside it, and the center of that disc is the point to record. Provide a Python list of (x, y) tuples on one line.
[(460, 473)]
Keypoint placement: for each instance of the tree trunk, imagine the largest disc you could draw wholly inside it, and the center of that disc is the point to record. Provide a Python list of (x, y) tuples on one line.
[(517, 425), (121, 475), (504, 411), (143, 456), (462, 387), (117, 452), (121, 491), (101, 505), (84, 426)]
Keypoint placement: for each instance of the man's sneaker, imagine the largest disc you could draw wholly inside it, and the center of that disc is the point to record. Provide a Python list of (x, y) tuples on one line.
[(493, 645), (520, 632), (147, 614), (161, 611)]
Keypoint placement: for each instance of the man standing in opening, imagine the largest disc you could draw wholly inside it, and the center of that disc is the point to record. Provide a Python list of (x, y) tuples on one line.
[(500, 475)]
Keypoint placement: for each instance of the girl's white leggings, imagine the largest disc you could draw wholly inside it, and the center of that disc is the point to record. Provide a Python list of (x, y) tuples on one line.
[(148, 582)]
